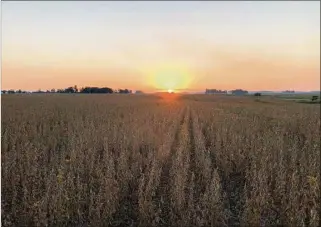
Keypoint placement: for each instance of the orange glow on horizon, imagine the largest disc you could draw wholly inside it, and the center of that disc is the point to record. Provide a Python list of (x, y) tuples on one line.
[(168, 97), (253, 74)]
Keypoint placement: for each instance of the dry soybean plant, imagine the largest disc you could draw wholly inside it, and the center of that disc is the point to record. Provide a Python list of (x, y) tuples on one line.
[(126, 160)]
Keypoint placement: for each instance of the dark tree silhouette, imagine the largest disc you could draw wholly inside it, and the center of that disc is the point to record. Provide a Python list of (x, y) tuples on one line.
[(74, 89), (39, 91), (97, 90), (70, 90), (314, 97), (124, 91), (215, 91)]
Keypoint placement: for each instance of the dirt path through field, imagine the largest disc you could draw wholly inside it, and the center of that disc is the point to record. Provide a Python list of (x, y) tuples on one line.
[(198, 153), (163, 191), (182, 182), (232, 180), (191, 139)]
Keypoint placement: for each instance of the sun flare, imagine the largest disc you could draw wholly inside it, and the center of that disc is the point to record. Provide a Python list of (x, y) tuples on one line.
[(170, 78)]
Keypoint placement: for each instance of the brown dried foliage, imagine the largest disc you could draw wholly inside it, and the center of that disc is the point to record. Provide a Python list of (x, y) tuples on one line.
[(113, 160)]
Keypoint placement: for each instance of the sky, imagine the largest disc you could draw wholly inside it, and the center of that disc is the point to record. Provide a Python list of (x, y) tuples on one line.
[(151, 46)]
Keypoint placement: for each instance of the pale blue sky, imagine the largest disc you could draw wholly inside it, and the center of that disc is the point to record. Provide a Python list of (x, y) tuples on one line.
[(136, 34), (111, 19)]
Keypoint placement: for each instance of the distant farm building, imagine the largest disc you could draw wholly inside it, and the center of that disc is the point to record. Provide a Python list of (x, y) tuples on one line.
[(139, 92), (214, 91), (288, 92), (239, 92)]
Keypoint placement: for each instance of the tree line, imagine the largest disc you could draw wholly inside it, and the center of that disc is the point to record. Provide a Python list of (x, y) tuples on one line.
[(74, 89), (215, 91)]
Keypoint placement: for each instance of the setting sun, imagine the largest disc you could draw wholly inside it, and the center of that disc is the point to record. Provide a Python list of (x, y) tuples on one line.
[(170, 78)]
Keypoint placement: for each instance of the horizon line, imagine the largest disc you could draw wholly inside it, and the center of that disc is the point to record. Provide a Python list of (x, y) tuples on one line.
[(188, 90)]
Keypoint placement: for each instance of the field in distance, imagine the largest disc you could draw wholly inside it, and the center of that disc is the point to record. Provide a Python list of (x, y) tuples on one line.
[(159, 160)]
